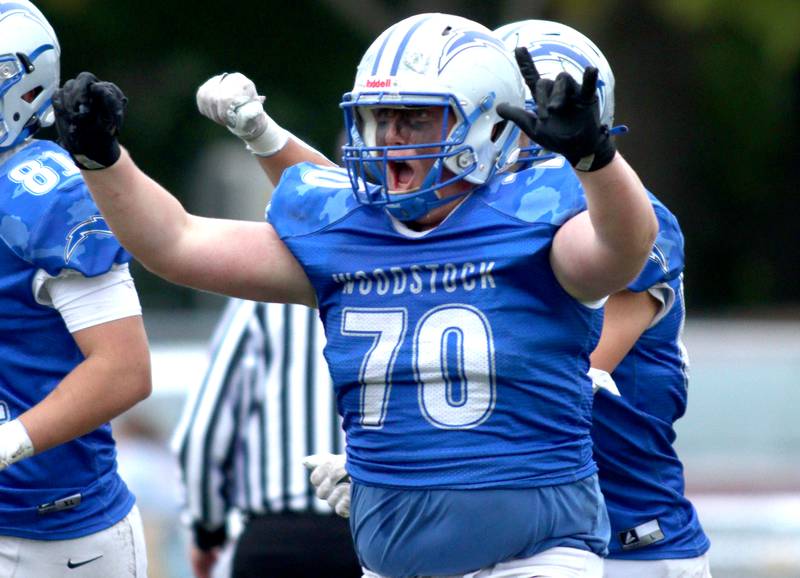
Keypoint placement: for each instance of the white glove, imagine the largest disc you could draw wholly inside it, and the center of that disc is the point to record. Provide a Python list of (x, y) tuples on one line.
[(232, 101), (602, 380), (330, 478), (15, 444)]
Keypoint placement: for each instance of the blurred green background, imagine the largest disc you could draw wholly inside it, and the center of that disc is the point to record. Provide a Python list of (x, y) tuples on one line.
[(710, 89)]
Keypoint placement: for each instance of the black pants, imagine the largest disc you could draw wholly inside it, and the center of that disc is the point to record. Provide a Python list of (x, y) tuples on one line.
[(295, 545)]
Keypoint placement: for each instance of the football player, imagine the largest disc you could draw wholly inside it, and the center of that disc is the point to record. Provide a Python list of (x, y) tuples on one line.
[(73, 348), (655, 531), (460, 304)]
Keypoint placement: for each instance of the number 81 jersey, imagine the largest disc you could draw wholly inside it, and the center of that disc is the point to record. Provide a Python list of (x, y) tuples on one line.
[(457, 358), (49, 225)]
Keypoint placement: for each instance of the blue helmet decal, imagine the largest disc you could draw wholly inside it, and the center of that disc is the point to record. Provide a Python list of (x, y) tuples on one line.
[(463, 39)]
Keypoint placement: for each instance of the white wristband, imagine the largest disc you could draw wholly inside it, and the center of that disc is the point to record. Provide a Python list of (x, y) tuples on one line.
[(15, 444), (269, 142)]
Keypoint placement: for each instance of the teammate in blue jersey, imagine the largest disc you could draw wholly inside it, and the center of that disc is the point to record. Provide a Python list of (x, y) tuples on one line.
[(73, 350), (460, 304), (655, 530)]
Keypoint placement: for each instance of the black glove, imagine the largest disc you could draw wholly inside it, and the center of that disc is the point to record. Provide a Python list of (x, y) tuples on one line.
[(89, 114), (567, 117)]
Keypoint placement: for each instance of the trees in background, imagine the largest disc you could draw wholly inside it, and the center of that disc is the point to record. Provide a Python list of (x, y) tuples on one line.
[(710, 89)]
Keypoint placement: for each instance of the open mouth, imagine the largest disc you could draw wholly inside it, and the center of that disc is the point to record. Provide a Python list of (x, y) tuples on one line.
[(401, 176)]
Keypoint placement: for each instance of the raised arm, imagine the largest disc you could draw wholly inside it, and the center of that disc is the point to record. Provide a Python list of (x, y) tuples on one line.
[(232, 101), (237, 258), (597, 252)]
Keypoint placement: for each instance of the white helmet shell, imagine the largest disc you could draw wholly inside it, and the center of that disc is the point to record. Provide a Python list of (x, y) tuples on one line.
[(29, 71), (440, 60), (556, 48)]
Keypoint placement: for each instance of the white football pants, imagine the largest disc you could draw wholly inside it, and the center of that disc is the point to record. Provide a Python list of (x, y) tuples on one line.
[(553, 563), (676, 568), (117, 552)]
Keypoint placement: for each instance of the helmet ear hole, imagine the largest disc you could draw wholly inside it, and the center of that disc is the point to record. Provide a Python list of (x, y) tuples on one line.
[(498, 129), (31, 95)]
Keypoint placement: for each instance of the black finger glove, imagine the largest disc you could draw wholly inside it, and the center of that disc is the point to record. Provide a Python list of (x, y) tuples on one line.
[(567, 117), (89, 114)]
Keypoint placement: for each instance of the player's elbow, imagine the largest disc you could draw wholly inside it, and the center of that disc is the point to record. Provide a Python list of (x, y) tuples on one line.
[(642, 242), (650, 231), (138, 380), (142, 382)]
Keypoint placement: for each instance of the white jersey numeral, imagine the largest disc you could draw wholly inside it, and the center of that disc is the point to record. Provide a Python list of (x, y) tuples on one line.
[(459, 335), (453, 363), (39, 179), (387, 327), (36, 178)]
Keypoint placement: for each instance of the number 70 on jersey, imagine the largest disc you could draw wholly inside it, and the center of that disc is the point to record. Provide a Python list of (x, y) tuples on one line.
[(452, 359)]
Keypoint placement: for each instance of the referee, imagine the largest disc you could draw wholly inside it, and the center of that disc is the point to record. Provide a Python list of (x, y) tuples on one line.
[(265, 403)]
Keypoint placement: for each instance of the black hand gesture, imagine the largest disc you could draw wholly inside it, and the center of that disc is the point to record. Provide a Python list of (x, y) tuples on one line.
[(567, 117), (89, 114)]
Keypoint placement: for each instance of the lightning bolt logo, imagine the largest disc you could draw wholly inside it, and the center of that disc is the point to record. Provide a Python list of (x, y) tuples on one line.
[(659, 258), (95, 225), (462, 40)]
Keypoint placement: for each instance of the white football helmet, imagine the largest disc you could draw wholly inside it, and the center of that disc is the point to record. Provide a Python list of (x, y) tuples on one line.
[(432, 60), (29, 71), (556, 48)]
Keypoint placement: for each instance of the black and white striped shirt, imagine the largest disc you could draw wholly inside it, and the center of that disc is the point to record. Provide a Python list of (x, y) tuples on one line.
[(266, 402)]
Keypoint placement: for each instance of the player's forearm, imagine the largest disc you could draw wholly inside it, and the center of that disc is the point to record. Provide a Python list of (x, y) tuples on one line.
[(294, 152), (146, 219), (627, 316), (96, 391), (623, 220)]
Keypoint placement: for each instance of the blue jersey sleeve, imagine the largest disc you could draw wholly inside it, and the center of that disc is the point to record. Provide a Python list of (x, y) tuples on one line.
[(666, 260), (309, 198), (49, 218)]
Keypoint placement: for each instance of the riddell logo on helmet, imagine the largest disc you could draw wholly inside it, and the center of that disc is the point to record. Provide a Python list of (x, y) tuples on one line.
[(379, 83)]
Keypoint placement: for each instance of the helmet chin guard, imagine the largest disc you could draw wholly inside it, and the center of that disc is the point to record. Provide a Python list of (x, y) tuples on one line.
[(432, 60)]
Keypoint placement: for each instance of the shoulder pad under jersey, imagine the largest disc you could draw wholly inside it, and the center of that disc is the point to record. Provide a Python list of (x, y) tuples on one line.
[(48, 217), (309, 198)]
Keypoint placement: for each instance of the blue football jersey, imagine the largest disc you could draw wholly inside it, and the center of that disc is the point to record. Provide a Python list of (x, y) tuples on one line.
[(457, 358), (48, 222), (640, 474)]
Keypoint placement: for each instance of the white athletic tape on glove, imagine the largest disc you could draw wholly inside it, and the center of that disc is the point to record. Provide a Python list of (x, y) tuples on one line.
[(15, 444), (233, 101), (329, 477)]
